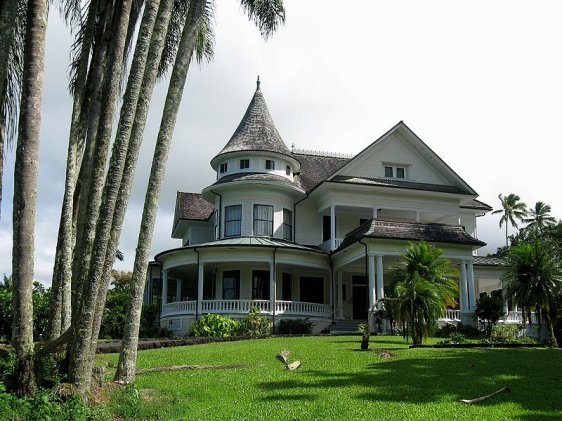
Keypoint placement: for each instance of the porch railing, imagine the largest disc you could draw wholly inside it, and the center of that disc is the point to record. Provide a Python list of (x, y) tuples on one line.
[(297, 308), (452, 315)]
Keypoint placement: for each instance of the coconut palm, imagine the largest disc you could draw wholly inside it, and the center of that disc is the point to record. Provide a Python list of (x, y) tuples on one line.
[(423, 286), (25, 188), (539, 218), (512, 211), (198, 25), (534, 279)]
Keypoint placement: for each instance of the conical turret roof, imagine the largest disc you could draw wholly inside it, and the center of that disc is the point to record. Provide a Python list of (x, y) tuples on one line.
[(256, 131)]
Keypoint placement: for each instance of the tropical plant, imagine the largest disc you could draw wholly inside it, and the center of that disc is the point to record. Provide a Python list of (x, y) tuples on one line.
[(539, 218), (489, 309), (254, 325), (505, 333), (365, 332), (422, 288), (294, 327), (534, 280), (512, 211), (215, 325)]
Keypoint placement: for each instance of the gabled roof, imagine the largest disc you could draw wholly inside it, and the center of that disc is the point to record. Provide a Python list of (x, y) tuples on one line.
[(192, 207), (414, 141), (256, 131), (392, 182), (488, 261), (316, 168), (476, 204), (412, 231)]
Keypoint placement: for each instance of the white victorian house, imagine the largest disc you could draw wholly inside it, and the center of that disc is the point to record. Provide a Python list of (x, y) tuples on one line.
[(313, 235)]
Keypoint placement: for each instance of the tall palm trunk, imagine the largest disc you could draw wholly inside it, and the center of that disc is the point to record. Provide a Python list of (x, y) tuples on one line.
[(59, 311), (80, 369), (169, 115), (101, 258), (127, 359), (25, 191)]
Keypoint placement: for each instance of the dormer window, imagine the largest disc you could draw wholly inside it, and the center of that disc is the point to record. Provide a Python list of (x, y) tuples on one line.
[(394, 171), (288, 170), (223, 168), (269, 164), (244, 163)]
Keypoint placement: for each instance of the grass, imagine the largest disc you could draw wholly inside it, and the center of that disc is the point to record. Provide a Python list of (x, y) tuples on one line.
[(337, 381)]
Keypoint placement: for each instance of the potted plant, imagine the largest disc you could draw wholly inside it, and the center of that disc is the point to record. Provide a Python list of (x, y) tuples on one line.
[(365, 334)]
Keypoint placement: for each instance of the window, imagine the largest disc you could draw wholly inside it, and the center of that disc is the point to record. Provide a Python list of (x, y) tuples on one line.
[(288, 170), (260, 285), (287, 225), (263, 220), (244, 163), (287, 287), (232, 220), (394, 172), (223, 168), (269, 164), (231, 285)]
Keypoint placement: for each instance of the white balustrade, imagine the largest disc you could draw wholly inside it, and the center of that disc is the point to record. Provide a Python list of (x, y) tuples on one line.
[(302, 308), (452, 315), (233, 306), (179, 307)]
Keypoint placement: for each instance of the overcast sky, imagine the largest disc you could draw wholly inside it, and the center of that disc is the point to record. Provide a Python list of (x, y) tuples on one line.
[(480, 82)]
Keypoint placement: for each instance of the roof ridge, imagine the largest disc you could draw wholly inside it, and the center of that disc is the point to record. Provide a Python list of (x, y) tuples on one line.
[(324, 154)]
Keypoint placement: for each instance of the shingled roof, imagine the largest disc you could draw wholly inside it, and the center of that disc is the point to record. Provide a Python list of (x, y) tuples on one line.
[(413, 231), (254, 176), (403, 184), (488, 261), (256, 131), (193, 207), (476, 204), (316, 168)]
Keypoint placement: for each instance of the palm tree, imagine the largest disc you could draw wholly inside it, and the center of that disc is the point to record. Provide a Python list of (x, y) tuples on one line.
[(512, 209), (423, 286), (534, 279), (540, 218), (25, 192), (267, 14)]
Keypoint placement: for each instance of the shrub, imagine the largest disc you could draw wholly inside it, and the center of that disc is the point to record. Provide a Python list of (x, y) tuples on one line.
[(490, 309), (506, 333), (467, 331), (294, 327), (215, 325), (254, 325)]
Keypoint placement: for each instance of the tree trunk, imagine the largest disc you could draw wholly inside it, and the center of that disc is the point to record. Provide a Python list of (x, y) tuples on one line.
[(8, 12), (62, 271), (127, 357), (80, 369), (25, 191), (105, 246)]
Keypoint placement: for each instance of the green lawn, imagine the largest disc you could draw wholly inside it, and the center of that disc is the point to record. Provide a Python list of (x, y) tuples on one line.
[(337, 381)]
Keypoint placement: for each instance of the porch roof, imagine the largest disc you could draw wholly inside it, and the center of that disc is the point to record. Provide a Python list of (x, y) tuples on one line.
[(488, 261), (266, 242), (413, 231)]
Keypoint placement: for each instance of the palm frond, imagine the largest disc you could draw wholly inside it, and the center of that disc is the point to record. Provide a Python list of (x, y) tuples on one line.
[(205, 43), (266, 14), (71, 12)]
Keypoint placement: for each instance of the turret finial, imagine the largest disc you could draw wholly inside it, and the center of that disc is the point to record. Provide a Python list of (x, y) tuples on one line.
[(258, 83)]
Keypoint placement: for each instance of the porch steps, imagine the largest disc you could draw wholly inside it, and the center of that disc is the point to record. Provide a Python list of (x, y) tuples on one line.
[(345, 326)]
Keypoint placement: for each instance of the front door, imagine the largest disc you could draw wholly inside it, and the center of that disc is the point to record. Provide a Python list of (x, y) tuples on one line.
[(360, 297)]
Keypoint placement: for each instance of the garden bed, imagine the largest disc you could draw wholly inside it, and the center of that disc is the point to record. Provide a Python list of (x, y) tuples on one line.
[(481, 345)]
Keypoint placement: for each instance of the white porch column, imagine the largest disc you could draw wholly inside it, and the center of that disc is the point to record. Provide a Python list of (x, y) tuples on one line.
[(505, 302), (472, 291), (332, 227), (375, 213), (178, 290), (164, 297), (200, 274), (417, 216), (371, 276), (380, 280), (340, 296), (463, 290), (272, 287)]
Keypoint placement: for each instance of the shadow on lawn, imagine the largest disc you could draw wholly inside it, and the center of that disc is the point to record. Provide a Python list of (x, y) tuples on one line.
[(447, 376)]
